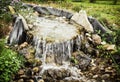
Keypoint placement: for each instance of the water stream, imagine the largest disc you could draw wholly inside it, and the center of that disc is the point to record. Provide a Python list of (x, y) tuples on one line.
[(54, 39)]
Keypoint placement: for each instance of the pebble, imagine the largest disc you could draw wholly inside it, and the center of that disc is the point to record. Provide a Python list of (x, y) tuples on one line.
[(23, 45), (95, 76), (41, 80), (30, 80), (105, 76), (20, 80), (21, 72), (96, 38), (35, 69)]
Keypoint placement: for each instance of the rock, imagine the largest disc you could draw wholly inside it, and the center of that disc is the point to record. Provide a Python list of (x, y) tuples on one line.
[(23, 76), (105, 76), (82, 59), (61, 81), (21, 72), (94, 70), (95, 76), (81, 18), (6, 46), (35, 69), (29, 72), (38, 62), (109, 47), (30, 26), (36, 13), (29, 56), (31, 50), (23, 45), (30, 80), (96, 39), (103, 43), (20, 80), (24, 22), (41, 80)]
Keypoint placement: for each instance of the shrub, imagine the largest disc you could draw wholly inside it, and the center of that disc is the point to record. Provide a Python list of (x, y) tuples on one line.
[(10, 62)]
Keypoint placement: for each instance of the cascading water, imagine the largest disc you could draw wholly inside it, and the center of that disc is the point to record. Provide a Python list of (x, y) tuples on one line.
[(54, 44), (54, 39)]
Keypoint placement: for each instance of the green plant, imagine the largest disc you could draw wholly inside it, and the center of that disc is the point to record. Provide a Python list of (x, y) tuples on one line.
[(76, 8), (10, 62)]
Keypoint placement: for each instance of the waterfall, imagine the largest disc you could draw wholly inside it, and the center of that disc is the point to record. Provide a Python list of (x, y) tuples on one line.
[(59, 53)]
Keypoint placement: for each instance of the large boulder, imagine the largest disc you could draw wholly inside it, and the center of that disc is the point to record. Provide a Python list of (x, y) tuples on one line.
[(81, 18)]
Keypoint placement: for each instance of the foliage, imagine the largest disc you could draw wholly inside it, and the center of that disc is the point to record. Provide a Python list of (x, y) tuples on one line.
[(10, 62), (76, 8)]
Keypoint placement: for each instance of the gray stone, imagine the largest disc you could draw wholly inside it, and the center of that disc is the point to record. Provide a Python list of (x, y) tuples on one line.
[(24, 22)]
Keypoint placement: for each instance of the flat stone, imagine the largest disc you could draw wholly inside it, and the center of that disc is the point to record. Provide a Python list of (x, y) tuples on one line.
[(81, 18)]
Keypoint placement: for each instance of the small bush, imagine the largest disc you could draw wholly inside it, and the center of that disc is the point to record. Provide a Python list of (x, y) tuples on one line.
[(10, 62)]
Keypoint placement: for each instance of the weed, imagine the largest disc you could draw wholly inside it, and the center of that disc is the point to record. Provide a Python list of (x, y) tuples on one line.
[(10, 62)]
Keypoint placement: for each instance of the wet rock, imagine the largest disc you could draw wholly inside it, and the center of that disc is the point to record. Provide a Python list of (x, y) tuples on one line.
[(109, 70), (81, 18), (61, 81), (36, 14), (6, 46), (30, 26), (96, 39), (23, 45), (29, 72), (94, 70), (56, 74), (29, 56), (82, 59), (105, 76), (32, 50), (24, 22), (35, 69), (20, 80), (38, 62), (21, 72), (30, 80), (95, 76), (23, 76), (109, 47), (41, 80)]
